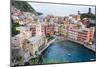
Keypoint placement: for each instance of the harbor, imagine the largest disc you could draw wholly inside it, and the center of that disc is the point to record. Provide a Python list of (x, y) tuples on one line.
[(67, 51)]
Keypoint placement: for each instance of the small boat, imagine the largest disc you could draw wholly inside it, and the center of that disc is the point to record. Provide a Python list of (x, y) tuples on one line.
[(69, 54), (91, 59)]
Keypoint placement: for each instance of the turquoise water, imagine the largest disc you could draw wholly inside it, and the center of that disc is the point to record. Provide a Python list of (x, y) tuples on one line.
[(66, 51)]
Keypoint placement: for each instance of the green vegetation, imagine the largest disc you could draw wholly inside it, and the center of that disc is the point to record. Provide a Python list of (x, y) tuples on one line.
[(86, 15), (14, 31), (55, 62), (50, 38), (21, 61), (32, 61)]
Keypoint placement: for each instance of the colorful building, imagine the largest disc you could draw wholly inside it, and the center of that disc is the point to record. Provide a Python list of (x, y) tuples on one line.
[(83, 36)]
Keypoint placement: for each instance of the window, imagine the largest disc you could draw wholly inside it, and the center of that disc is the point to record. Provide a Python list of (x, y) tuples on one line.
[(28, 42)]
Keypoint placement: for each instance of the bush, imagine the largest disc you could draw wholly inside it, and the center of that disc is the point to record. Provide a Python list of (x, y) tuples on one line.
[(50, 38), (13, 29), (32, 61), (21, 61)]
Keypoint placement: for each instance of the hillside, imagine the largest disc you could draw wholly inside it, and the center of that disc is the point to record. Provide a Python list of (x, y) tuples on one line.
[(86, 15), (24, 6)]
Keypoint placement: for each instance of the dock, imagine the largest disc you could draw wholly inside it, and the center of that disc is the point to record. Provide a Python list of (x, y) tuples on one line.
[(48, 44)]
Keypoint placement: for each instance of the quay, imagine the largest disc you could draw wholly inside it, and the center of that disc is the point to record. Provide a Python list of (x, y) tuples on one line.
[(91, 47), (48, 44)]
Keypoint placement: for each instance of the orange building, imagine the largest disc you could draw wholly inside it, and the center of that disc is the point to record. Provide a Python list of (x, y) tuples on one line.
[(86, 36), (50, 29), (83, 36)]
